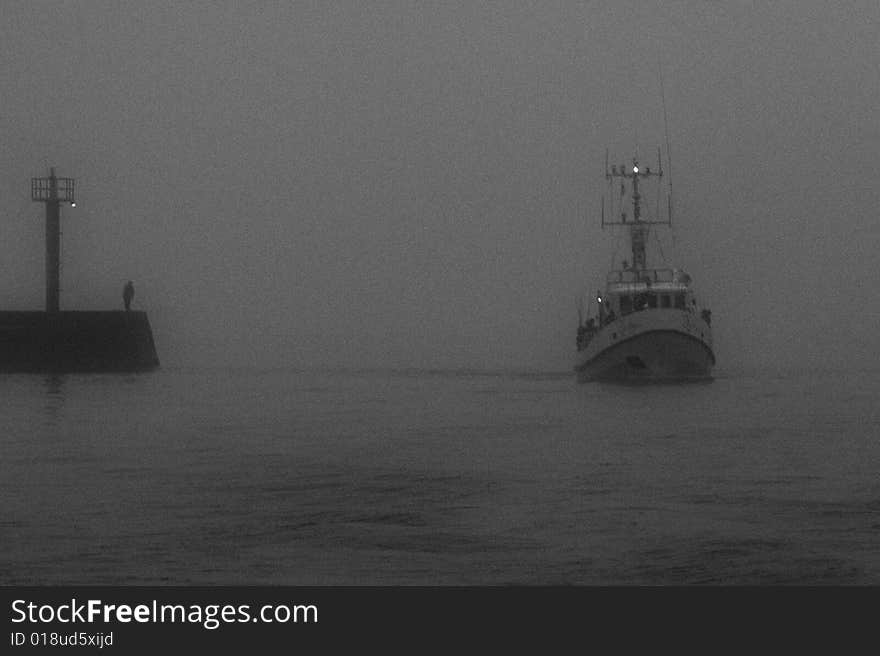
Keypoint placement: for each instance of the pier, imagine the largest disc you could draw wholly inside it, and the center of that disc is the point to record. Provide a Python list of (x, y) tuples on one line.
[(62, 341)]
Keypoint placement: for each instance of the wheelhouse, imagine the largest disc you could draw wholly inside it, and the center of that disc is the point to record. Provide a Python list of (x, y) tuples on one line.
[(629, 291)]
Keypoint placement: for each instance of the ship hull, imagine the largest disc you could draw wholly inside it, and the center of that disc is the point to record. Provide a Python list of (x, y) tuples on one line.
[(657, 355), (656, 345)]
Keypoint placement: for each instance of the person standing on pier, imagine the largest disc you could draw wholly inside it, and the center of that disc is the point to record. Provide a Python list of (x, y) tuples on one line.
[(128, 294)]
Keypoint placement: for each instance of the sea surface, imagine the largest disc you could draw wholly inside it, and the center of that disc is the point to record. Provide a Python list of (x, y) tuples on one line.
[(437, 478)]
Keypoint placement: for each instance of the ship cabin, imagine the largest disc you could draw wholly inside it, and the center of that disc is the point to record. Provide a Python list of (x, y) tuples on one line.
[(634, 290), (630, 290)]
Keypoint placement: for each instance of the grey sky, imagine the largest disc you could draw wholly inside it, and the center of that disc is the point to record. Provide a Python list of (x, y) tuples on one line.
[(417, 184)]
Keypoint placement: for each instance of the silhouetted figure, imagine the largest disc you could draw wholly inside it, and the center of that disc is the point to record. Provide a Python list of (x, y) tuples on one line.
[(127, 295)]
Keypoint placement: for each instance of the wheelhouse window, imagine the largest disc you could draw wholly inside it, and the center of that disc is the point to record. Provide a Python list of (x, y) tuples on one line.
[(665, 301), (625, 304), (652, 301), (679, 301)]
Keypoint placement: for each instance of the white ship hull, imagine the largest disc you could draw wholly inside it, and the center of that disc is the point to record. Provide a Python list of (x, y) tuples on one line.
[(649, 345)]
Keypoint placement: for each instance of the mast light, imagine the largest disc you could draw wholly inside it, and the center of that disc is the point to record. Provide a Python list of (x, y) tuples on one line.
[(635, 169)]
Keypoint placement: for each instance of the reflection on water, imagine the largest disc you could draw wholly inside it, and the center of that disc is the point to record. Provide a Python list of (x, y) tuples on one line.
[(54, 395)]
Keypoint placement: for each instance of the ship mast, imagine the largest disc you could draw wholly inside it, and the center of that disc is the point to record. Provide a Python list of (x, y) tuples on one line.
[(638, 228)]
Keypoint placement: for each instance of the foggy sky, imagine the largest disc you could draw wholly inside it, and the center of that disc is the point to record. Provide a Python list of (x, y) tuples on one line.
[(418, 184)]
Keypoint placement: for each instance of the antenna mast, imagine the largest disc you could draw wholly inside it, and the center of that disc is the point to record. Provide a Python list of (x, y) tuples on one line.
[(668, 151), (638, 228)]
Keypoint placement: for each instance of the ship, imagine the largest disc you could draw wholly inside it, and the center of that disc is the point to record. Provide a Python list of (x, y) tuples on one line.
[(647, 324)]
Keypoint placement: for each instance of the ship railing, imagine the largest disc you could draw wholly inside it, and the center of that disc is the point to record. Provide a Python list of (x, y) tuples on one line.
[(648, 276), (644, 287)]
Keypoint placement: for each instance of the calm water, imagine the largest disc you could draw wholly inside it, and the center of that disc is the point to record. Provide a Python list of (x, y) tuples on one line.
[(279, 477)]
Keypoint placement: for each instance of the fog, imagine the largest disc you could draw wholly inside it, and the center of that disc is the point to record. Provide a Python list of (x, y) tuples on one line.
[(418, 184)]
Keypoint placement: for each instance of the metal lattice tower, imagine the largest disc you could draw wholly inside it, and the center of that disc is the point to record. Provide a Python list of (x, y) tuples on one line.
[(53, 191)]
